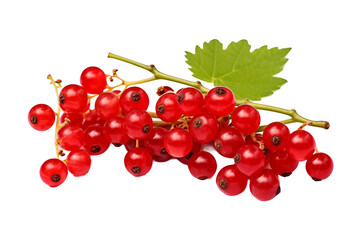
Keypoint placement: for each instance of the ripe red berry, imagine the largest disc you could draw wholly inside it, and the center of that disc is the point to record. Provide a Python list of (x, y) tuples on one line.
[(195, 148), (78, 162), (115, 130), (246, 119), (41, 117), (107, 105), (154, 143), (319, 166), (275, 136), (228, 141), (249, 159), (167, 107), (76, 119), (220, 101), (191, 101), (265, 186), (178, 142), (92, 118), (53, 172), (73, 98), (133, 98), (70, 138), (202, 165), (93, 80), (95, 141), (204, 127), (282, 164), (138, 124), (300, 145), (138, 161), (231, 181), (132, 144)]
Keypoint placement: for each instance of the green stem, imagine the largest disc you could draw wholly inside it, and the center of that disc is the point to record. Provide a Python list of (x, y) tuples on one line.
[(295, 117)]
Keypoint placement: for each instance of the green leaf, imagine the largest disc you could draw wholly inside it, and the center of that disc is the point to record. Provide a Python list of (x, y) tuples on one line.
[(248, 74)]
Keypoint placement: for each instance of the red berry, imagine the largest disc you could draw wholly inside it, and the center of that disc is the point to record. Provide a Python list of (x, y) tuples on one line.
[(204, 127), (178, 142), (78, 162), (167, 107), (133, 98), (191, 101), (202, 165), (115, 130), (265, 186), (231, 181), (163, 89), (138, 124), (73, 98), (319, 166), (93, 80), (249, 159), (282, 164), (154, 143), (76, 119), (107, 105), (70, 138), (228, 141), (275, 135), (41, 117), (300, 145), (246, 119), (138, 161), (196, 148), (95, 141), (132, 144), (92, 118), (53, 172), (220, 101)]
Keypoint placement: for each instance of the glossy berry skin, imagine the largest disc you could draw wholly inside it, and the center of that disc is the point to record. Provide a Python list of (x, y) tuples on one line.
[(167, 107), (107, 105), (95, 141), (73, 98), (70, 138), (53, 172), (190, 101), (319, 166), (265, 186), (41, 117), (231, 181), (202, 165), (76, 119), (300, 145), (196, 148), (93, 80), (133, 98), (220, 101), (138, 124), (228, 142), (138, 161), (92, 118), (275, 136), (282, 164), (154, 143), (249, 159), (78, 162), (178, 142), (246, 119), (204, 127), (115, 130)]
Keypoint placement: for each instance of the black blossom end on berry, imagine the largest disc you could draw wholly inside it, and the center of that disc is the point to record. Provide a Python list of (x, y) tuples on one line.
[(135, 96), (62, 98), (316, 179), (116, 144), (95, 149), (223, 184), (146, 128), (220, 91), (237, 158), (161, 108), (33, 119), (136, 169), (180, 97), (286, 174), (203, 178), (55, 178), (163, 151), (276, 140), (160, 91), (197, 123), (218, 145)]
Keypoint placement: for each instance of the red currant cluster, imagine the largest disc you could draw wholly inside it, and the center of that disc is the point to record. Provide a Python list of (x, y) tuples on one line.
[(188, 121)]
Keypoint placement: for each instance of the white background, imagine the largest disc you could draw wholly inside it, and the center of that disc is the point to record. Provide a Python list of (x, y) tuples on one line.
[(42, 37)]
